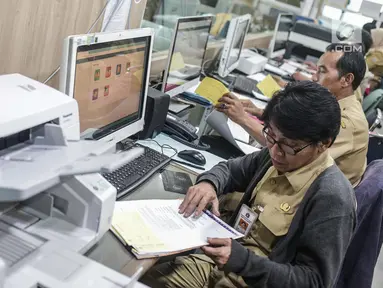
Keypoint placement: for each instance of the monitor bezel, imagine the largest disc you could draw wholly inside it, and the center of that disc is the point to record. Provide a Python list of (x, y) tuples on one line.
[(68, 72), (184, 87), (271, 53), (223, 70)]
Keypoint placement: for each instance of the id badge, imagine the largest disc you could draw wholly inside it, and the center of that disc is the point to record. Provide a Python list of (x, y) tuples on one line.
[(245, 220)]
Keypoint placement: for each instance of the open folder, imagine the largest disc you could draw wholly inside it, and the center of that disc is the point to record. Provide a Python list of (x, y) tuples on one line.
[(154, 228)]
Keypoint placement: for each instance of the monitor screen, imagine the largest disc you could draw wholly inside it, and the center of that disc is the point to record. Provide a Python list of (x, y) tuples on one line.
[(109, 86), (282, 30), (237, 43), (187, 52)]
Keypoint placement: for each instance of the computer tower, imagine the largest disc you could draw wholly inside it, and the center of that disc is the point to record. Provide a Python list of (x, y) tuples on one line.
[(157, 106)]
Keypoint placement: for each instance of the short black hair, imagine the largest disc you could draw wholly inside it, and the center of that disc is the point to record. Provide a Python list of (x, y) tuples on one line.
[(366, 41), (305, 111), (369, 26), (352, 61)]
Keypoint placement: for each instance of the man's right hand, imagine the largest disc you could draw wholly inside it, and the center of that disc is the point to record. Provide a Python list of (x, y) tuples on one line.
[(198, 198), (250, 108)]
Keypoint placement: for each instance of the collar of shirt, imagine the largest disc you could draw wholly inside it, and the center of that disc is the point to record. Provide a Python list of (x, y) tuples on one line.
[(299, 178), (347, 102)]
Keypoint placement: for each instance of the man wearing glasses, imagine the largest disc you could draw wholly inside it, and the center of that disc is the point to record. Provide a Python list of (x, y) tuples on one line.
[(298, 208), (341, 73)]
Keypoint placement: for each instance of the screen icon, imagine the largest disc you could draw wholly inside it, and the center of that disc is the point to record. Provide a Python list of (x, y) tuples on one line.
[(118, 69), (106, 91), (97, 74), (108, 72), (95, 94)]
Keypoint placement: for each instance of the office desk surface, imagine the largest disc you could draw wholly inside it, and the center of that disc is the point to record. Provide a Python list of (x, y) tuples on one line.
[(211, 160), (110, 252)]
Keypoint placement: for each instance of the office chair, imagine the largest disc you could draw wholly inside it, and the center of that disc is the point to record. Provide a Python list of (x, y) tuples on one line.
[(362, 254)]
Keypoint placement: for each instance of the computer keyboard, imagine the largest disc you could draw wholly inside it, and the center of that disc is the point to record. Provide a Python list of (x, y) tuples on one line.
[(246, 85), (136, 172)]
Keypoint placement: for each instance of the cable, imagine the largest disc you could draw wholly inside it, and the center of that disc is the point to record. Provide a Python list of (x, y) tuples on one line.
[(156, 85), (164, 146), (89, 30), (204, 64)]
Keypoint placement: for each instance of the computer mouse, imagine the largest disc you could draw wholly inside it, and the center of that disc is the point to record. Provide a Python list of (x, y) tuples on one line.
[(193, 156)]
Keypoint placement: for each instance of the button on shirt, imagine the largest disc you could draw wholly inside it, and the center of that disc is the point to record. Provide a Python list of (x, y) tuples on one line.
[(350, 147), (280, 196)]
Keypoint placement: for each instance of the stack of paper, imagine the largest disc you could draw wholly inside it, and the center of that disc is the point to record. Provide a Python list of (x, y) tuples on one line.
[(268, 86), (154, 228), (211, 90)]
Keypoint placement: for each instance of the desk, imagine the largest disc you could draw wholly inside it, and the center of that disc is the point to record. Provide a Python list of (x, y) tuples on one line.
[(109, 251), (211, 160)]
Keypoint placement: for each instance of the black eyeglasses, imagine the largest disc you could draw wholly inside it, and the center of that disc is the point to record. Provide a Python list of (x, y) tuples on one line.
[(283, 147)]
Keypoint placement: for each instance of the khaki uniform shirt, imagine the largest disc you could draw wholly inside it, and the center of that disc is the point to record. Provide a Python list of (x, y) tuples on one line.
[(358, 94), (280, 197), (350, 147)]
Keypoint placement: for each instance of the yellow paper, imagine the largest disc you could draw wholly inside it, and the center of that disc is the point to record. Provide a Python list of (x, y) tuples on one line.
[(219, 23), (268, 86), (177, 62), (211, 90), (133, 229)]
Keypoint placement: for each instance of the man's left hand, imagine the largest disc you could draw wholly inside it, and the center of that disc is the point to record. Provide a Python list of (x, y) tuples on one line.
[(219, 250), (230, 105)]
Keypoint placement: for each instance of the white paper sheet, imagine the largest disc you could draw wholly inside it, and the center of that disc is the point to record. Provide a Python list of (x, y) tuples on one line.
[(218, 121), (288, 68), (238, 132), (157, 224), (257, 77), (118, 20)]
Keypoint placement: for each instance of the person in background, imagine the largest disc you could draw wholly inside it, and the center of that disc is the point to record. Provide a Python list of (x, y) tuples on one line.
[(341, 73), (374, 57), (306, 206), (371, 26), (368, 76)]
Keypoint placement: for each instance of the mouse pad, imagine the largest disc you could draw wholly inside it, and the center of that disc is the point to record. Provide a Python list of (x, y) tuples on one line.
[(177, 182)]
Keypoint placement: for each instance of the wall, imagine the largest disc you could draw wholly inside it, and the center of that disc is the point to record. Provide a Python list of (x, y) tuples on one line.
[(32, 33)]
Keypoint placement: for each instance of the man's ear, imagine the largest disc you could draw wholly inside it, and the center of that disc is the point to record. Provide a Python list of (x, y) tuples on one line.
[(347, 80), (324, 145)]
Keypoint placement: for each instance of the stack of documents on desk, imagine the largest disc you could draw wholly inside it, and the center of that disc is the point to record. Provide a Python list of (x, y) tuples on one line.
[(211, 89), (154, 228)]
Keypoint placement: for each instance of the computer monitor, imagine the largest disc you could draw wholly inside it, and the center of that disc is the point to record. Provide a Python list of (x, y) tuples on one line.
[(277, 47), (108, 74), (186, 54), (233, 45)]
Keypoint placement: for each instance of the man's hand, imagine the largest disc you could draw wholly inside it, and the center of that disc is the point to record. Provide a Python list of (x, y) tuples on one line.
[(311, 65), (230, 105), (279, 81), (250, 108), (197, 198), (298, 76), (219, 250)]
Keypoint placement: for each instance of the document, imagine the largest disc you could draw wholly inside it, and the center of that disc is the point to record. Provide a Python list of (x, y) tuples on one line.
[(211, 89), (155, 228), (230, 131), (288, 68), (268, 86)]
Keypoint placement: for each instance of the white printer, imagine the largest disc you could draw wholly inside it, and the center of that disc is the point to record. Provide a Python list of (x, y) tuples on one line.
[(54, 205)]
